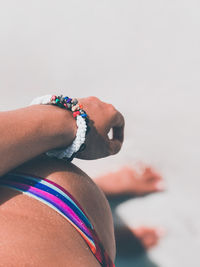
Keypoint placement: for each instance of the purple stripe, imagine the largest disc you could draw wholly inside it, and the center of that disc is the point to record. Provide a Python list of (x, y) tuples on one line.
[(55, 184), (66, 192), (46, 186), (68, 212)]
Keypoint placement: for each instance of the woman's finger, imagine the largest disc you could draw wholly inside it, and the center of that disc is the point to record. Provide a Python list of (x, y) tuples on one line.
[(118, 133), (114, 146), (117, 126)]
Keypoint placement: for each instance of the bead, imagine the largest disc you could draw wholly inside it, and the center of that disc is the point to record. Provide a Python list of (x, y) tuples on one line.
[(61, 99), (75, 108), (57, 100), (76, 113), (75, 101), (80, 106), (69, 105), (84, 115), (69, 100), (53, 98)]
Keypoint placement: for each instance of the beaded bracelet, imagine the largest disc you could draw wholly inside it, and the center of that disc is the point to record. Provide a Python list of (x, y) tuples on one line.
[(81, 120)]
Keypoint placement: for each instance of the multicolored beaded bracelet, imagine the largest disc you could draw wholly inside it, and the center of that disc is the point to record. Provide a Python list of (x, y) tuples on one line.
[(81, 120), (69, 104)]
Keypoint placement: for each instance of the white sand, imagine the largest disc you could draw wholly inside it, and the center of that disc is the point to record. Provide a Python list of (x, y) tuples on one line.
[(142, 56)]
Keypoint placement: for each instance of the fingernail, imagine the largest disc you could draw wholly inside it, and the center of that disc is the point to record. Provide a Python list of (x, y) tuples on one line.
[(160, 186)]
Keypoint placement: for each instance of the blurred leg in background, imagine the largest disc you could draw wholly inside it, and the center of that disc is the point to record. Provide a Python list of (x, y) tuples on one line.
[(131, 182)]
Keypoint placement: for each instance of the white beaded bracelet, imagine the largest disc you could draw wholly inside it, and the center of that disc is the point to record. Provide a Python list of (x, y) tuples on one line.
[(79, 140)]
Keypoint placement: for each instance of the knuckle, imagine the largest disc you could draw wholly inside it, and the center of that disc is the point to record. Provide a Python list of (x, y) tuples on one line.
[(112, 108), (116, 149), (122, 119), (93, 98)]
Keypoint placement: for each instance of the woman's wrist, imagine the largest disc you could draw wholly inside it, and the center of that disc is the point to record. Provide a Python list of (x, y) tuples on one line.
[(72, 105), (61, 126)]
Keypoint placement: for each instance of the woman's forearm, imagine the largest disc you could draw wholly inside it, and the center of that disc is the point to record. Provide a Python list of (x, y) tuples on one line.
[(28, 132), (31, 131)]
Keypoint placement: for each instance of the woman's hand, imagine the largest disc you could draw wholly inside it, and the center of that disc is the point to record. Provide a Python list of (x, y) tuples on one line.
[(102, 118)]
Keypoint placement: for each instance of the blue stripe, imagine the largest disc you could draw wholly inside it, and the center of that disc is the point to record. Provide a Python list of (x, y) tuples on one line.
[(57, 189), (70, 217), (48, 189)]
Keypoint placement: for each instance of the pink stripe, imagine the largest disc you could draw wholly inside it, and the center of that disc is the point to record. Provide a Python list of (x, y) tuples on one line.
[(66, 192), (56, 200), (56, 185)]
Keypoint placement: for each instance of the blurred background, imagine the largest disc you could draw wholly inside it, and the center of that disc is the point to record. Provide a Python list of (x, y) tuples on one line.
[(143, 57)]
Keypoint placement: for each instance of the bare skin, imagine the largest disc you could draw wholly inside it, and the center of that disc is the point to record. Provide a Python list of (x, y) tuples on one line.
[(128, 181), (28, 132), (31, 131), (149, 236), (38, 226), (41, 237), (131, 240), (38, 235)]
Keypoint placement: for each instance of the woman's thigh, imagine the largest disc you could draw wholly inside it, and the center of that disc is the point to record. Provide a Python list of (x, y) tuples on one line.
[(38, 234)]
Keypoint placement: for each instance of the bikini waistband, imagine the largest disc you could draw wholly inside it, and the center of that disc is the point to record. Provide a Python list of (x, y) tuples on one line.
[(59, 199)]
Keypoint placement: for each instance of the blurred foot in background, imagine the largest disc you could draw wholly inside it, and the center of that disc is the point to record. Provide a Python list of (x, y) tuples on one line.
[(145, 237), (128, 181), (131, 182)]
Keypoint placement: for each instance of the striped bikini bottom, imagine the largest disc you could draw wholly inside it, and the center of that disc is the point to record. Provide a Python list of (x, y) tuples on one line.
[(63, 202)]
